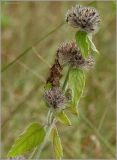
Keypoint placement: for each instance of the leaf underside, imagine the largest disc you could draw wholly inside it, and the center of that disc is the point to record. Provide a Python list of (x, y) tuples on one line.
[(29, 139), (92, 45), (82, 43), (56, 144)]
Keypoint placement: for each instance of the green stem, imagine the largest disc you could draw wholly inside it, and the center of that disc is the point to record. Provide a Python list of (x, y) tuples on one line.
[(50, 124), (45, 140), (66, 79)]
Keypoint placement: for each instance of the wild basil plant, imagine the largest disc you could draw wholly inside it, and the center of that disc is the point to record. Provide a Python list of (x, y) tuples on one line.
[(64, 86)]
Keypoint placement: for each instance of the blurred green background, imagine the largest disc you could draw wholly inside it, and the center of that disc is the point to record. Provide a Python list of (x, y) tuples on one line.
[(92, 135)]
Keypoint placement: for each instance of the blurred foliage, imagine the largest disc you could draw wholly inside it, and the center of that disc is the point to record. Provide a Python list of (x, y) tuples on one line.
[(22, 24), (5, 21)]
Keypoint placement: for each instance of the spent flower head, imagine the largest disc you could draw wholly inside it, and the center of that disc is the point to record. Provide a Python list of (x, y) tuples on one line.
[(85, 18), (55, 98), (69, 53)]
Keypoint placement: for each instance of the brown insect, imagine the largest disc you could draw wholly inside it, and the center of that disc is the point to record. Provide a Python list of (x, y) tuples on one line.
[(55, 74)]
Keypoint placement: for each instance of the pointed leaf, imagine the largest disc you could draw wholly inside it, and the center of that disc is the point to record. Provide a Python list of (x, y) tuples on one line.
[(62, 117), (83, 43), (76, 83), (92, 45), (56, 144), (29, 139), (73, 109)]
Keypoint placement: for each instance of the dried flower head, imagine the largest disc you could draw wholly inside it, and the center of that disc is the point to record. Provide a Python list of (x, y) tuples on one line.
[(85, 18), (55, 74), (69, 53), (55, 98)]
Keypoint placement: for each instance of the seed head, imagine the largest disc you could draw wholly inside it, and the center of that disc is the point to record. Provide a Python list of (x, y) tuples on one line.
[(85, 18), (69, 53), (55, 98)]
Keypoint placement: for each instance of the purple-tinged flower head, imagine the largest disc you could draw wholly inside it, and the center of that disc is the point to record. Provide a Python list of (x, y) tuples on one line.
[(69, 53), (85, 18), (55, 98)]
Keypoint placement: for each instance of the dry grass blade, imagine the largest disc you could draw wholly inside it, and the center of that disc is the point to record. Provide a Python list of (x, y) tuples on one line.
[(40, 57), (34, 73), (30, 48), (102, 119)]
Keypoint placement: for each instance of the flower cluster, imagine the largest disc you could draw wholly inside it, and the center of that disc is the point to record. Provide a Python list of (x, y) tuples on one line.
[(55, 98), (85, 18), (69, 53)]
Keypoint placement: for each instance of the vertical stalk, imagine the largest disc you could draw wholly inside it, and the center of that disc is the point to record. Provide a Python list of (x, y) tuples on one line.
[(45, 140), (66, 79), (50, 122)]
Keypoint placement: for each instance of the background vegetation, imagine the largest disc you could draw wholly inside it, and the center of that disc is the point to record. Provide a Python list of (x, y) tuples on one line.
[(92, 135)]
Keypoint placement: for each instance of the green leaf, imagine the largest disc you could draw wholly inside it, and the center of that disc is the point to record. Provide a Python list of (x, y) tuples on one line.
[(76, 82), (73, 109), (92, 45), (29, 139), (62, 117), (56, 144), (82, 43)]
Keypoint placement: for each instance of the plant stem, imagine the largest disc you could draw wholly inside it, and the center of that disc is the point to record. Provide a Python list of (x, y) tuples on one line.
[(45, 140), (66, 79), (50, 124)]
